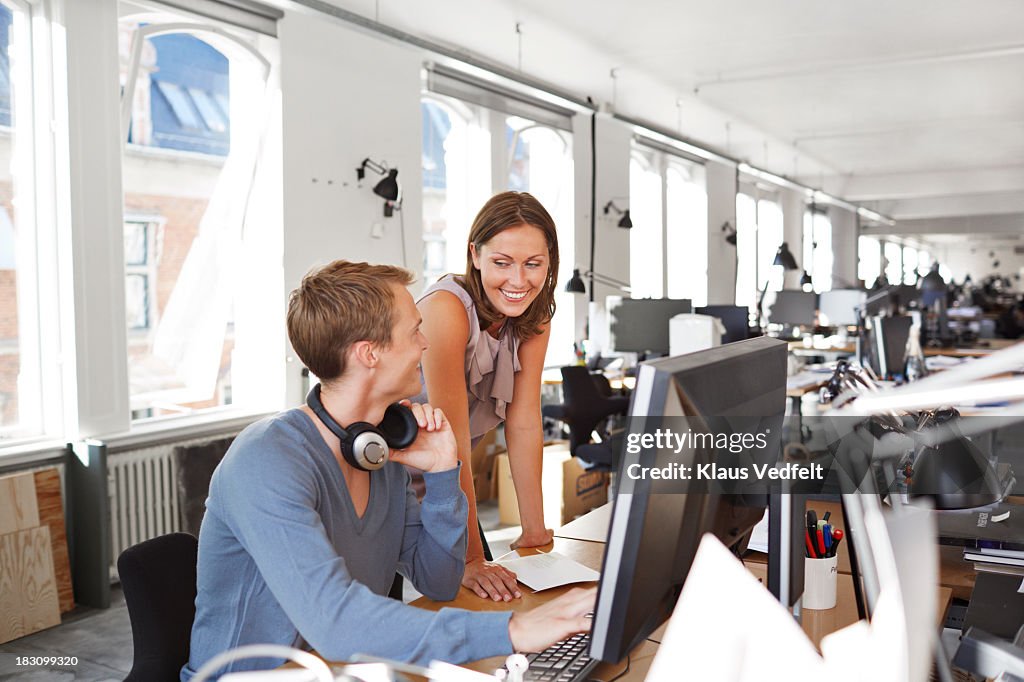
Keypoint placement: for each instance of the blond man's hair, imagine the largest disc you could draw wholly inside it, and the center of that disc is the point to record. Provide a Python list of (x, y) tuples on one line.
[(338, 305)]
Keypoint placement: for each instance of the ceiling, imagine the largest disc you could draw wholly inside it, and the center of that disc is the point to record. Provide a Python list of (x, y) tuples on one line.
[(914, 108)]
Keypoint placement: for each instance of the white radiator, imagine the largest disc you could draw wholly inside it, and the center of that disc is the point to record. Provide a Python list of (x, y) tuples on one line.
[(143, 497)]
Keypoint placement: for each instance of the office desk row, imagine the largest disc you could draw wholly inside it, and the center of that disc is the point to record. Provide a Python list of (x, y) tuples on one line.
[(583, 541)]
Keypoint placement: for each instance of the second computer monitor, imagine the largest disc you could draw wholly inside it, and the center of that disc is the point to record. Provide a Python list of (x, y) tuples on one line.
[(735, 319), (794, 308), (640, 325), (839, 306), (654, 532)]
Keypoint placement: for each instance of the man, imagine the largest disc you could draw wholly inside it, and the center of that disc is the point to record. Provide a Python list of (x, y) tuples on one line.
[(298, 547)]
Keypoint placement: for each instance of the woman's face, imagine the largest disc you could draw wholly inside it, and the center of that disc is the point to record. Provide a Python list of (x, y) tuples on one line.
[(513, 267)]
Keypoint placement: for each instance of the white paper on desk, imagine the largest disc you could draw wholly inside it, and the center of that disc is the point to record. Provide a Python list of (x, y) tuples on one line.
[(942, 362), (803, 380), (593, 527), (758, 541), (550, 569), (727, 626)]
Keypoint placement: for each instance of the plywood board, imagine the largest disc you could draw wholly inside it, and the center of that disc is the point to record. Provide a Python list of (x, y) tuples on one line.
[(51, 514), (28, 589), (18, 510)]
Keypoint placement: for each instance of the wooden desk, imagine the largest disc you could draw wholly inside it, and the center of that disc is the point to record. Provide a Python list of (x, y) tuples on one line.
[(617, 379), (816, 624), (587, 553), (954, 573), (992, 346)]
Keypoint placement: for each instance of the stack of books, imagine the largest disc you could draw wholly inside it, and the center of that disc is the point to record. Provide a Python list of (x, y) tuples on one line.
[(996, 558), (992, 538)]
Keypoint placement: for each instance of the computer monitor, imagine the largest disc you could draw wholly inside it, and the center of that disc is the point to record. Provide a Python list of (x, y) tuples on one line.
[(735, 319), (839, 306), (640, 325), (904, 295), (888, 345), (794, 308), (654, 533)]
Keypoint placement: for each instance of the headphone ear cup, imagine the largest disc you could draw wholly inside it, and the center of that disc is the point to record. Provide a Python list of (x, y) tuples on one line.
[(367, 448), (399, 426)]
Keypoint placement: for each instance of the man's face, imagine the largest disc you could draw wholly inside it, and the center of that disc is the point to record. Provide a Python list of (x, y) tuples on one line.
[(398, 371)]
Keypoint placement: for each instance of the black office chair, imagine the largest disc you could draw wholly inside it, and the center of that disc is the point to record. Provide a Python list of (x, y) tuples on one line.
[(588, 402), (158, 577)]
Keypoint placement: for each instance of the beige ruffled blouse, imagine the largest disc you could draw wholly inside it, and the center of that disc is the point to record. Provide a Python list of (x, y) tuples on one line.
[(490, 364)]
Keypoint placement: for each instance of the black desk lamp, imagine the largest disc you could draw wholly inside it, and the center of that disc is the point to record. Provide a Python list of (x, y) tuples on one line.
[(783, 257), (387, 189), (954, 474), (575, 284), (625, 221)]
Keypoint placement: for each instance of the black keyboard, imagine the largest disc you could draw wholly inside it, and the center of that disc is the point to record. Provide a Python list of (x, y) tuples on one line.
[(566, 661)]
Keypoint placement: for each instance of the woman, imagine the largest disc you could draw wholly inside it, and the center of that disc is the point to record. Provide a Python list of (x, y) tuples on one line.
[(488, 332)]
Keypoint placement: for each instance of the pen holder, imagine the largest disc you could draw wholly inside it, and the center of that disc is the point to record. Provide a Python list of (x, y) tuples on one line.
[(820, 576)]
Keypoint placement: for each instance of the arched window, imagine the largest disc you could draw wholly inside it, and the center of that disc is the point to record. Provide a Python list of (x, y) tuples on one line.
[(686, 231), (200, 118), (646, 241), (539, 161), (28, 302), (455, 182)]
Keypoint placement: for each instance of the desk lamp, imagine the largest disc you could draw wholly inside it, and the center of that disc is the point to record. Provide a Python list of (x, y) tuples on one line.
[(387, 188), (575, 284), (783, 257), (625, 222), (954, 473)]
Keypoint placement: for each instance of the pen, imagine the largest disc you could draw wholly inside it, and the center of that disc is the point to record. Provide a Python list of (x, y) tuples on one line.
[(827, 535), (810, 546), (837, 536), (827, 514), (821, 543)]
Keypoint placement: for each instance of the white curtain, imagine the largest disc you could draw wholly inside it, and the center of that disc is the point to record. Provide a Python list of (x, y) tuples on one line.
[(190, 334)]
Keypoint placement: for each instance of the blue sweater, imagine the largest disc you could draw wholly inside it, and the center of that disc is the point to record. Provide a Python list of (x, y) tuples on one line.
[(284, 559)]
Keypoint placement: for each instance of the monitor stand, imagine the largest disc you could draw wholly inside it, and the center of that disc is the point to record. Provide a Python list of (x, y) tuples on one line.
[(785, 555)]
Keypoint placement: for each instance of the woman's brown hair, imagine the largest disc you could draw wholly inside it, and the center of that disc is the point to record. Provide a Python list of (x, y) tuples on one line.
[(501, 212)]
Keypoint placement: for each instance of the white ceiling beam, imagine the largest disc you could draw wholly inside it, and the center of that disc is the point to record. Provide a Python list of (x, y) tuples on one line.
[(896, 186), (871, 64), (1010, 223), (954, 205)]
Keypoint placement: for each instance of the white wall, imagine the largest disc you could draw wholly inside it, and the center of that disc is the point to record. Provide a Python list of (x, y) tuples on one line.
[(794, 202), (346, 96), (844, 247), (90, 223), (721, 189), (978, 265)]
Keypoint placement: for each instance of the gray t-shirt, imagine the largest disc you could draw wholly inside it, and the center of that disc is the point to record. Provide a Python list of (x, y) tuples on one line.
[(284, 559)]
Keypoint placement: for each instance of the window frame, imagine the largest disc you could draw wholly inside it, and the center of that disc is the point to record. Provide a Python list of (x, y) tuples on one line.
[(33, 161)]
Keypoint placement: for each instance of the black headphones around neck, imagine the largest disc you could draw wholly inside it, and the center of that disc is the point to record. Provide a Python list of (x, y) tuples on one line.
[(363, 445)]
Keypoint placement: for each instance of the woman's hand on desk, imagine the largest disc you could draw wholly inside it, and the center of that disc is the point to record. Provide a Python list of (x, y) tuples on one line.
[(491, 581), (533, 539), (539, 628)]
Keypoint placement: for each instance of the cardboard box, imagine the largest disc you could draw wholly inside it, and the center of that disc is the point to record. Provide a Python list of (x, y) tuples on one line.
[(569, 490), (482, 460)]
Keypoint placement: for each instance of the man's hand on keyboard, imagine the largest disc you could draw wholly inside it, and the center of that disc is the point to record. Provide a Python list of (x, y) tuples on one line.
[(536, 629)]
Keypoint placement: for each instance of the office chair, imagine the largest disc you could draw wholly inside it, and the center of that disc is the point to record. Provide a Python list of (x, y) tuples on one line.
[(588, 402), (158, 577)]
